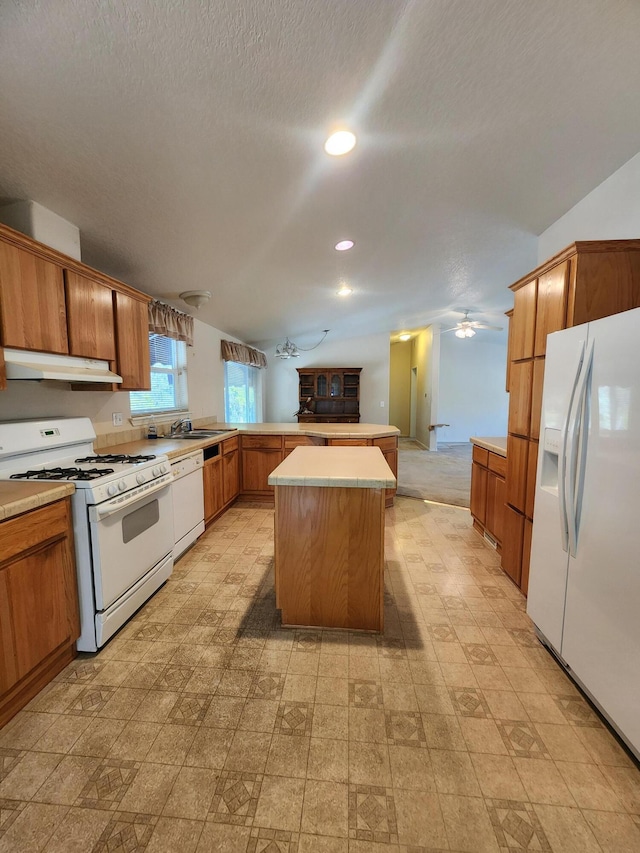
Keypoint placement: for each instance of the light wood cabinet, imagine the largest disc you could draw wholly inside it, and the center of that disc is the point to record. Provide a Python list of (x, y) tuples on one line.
[(260, 454), (132, 343), (488, 493), (32, 304), (212, 483), (230, 475), (39, 621), (90, 319), (585, 282)]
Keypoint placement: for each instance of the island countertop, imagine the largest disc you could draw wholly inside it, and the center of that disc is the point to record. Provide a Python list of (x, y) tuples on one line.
[(495, 444), (346, 467)]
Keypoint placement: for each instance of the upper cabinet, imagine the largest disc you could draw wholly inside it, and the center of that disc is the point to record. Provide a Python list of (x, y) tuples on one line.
[(52, 303), (89, 317), (32, 306)]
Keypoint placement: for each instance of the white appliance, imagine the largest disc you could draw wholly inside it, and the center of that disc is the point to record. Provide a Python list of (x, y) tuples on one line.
[(122, 516), (188, 501), (584, 585)]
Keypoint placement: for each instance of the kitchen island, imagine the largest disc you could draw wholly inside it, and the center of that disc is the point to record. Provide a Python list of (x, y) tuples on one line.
[(329, 536)]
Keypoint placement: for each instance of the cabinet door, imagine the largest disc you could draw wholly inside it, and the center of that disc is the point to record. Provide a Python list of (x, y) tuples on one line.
[(523, 321), (517, 454), (551, 310), (532, 468), (496, 496), (322, 385), (212, 482), (512, 543), (89, 317), (521, 380), (32, 314), (536, 397), (132, 343), (478, 502), (509, 315), (335, 387), (257, 464), (526, 555), (230, 478)]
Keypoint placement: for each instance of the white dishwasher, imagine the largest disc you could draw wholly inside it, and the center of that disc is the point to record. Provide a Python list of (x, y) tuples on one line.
[(188, 501)]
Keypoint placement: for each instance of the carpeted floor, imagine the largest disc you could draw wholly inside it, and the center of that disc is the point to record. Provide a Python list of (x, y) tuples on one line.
[(443, 476)]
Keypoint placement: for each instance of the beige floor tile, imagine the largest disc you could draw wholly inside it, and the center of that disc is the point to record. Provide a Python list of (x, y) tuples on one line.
[(411, 769), (62, 735), (209, 748), (467, 824), (171, 835), (589, 787), (419, 819), (299, 688), (172, 744), (491, 678), (324, 844), (482, 736), (150, 789), (567, 830), (79, 831), (65, 784), (563, 744), (369, 764), (603, 747), (364, 667), (542, 708), (443, 731), (248, 752), (24, 731), (506, 705), (498, 777), (33, 828), (325, 808), (288, 756), (304, 663), (192, 793), (332, 691), (224, 838), (328, 760), (333, 666), (135, 740), (156, 706), (280, 803), (330, 721), (98, 737), (453, 773), (258, 715), (399, 697), (458, 675), (367, 724), (625, 782), (523, 679), (224, 712), (543, 782), (28, 775), (616, 833)]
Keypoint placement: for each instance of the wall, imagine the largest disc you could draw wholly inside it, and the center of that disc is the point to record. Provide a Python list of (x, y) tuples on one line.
[(425, 358), (609, 212), (371, 352), (205, 374), (473, 399), (400, 385)]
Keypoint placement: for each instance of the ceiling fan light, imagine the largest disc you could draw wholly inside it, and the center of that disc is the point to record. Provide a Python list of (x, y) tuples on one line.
[(461, 333), (469, 332)]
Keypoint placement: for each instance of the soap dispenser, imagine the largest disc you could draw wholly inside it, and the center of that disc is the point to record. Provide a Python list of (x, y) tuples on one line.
[(152, 429)]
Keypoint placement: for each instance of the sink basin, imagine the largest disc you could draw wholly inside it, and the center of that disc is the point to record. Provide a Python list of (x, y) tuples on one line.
[(200, 433)]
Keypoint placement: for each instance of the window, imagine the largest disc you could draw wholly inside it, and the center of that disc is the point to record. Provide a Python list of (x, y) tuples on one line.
[(168, 378), (242, 393)]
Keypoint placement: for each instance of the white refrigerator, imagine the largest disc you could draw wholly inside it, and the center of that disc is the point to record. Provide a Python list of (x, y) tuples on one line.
[(584, 585)]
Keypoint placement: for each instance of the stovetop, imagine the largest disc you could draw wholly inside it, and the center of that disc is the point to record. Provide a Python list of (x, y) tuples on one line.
[(63, 474)]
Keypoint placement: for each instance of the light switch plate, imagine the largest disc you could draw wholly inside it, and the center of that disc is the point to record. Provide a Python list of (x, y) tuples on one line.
[(116, 417)]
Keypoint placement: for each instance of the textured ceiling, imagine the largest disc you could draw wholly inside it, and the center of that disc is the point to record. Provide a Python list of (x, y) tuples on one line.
[(185, 140)]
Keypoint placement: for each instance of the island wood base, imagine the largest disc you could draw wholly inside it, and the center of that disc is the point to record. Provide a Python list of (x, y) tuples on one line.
[(329, 556)]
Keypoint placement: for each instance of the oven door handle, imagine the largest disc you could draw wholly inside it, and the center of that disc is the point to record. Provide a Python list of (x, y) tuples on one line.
[(110, 507)]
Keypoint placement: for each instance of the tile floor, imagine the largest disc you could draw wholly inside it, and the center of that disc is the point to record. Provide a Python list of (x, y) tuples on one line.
[(204, 727)]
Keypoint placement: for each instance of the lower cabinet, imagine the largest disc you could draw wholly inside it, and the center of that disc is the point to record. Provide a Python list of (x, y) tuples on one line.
[(488, 493), (260, 455), (39, 620), (220, 477), (230, 470), (513, 539), (213, 487)]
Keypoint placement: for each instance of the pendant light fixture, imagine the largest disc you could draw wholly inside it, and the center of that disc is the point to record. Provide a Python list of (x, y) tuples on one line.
[(290, 350)]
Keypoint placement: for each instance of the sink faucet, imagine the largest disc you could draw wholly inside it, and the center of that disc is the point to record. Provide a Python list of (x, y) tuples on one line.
[(182, 425)]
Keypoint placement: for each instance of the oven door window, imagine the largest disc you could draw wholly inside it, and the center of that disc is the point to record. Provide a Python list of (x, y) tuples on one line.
[(128, 544)]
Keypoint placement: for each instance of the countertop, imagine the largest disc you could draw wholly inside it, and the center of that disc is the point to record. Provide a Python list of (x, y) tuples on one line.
[(494, 444), (18, 497), (174, 448), (349, 467)]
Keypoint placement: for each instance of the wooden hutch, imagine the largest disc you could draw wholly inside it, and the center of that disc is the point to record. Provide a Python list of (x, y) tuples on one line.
[(329, 395)]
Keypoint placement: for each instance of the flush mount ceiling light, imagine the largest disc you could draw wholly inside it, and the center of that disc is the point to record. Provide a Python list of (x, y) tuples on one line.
[(344, 245), (345, 290), (404, 337), (196, 298), (290, 350), (340, 143)]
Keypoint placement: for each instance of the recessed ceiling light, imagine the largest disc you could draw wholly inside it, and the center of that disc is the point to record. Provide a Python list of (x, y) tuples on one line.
[(340, 143), (345, 290), (404, 337), (343, 245)]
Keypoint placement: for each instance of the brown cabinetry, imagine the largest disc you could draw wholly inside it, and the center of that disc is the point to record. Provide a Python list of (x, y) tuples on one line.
[(89, 317), (132, 343), (39, 620), (260, 454), (488, 493), (212, 484), (585, 282), (230, 470), (330, 394)]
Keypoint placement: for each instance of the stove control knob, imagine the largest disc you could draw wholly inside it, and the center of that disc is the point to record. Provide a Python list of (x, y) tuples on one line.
[(122, 485), (164, 468), (156, 471), (112, 489), (140, 478)]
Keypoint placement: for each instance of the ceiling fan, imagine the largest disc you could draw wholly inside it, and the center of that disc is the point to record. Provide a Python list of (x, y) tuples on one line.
[(466, 328)]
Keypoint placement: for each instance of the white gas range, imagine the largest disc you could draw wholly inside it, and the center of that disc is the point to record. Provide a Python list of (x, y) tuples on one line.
[(122, 516)]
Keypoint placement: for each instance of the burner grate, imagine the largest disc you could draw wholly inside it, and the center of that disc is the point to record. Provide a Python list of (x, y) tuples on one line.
[(113, 458), (63, 474)]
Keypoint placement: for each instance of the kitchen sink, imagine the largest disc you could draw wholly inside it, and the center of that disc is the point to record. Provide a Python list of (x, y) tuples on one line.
[(200, 433)]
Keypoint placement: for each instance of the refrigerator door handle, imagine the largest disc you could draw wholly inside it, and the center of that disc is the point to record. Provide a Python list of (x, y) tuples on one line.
[(578, 429), (565, 505)]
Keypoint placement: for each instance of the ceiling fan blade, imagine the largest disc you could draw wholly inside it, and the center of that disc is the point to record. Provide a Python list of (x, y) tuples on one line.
[(477, 325), (452, 329)]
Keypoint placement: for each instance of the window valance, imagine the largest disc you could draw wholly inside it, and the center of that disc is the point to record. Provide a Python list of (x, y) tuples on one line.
[(242, 354), (165, 320)]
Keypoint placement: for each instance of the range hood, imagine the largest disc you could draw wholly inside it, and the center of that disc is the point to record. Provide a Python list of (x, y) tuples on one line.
[(22, 364)]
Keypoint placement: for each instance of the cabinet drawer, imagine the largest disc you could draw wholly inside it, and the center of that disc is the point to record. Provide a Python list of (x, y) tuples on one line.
[(23, 532), (387, 443), (498, 464), (291, 441), (230, 444), (480, 455), (270, 442), (347, 442)]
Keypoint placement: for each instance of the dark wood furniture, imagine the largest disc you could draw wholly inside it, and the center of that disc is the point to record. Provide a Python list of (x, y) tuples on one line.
[(331, 393)]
